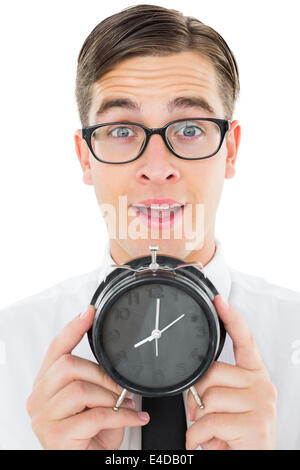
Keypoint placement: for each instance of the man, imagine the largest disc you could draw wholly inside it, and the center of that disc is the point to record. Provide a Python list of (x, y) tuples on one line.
[(151, 66)]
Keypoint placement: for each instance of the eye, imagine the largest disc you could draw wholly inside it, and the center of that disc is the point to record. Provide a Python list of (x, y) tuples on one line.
[(189, 131), (121, 132)]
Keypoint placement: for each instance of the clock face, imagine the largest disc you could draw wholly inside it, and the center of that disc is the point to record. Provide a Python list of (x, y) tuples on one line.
[(155, 337)]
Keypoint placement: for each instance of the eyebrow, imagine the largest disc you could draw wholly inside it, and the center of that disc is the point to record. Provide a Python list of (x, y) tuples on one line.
[(181, 102)]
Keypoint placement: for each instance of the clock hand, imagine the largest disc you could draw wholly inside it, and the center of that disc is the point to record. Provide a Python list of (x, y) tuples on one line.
[(172, 323), (149, 338), (157, 324), (157, 333), (157, 313)]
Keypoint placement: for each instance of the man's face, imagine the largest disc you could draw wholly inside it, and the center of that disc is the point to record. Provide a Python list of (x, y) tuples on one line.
[(151, 82)]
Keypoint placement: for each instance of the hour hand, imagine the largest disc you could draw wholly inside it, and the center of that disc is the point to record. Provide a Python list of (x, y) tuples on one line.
[(149, 338)]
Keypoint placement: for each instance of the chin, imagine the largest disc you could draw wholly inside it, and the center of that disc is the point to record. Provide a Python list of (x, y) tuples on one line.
[(138, 248)]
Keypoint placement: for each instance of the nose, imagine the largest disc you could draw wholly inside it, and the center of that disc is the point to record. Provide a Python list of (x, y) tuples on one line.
[(157, 164)]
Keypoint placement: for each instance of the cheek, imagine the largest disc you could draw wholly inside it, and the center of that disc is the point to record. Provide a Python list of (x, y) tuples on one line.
[(104, 181), (208, 178), (208, 183)]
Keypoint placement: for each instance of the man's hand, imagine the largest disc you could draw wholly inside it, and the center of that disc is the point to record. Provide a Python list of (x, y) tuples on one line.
[(72, 398), (239, 401)]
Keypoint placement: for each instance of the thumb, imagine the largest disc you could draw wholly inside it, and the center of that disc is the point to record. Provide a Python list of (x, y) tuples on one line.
[(245, 348), (67, 339)]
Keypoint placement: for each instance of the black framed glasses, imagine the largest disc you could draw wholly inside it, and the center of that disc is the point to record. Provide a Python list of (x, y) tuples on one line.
[(124, 141)]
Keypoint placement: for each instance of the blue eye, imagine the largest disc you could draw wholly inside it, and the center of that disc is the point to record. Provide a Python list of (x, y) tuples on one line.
[(121, 132), (190, 131)]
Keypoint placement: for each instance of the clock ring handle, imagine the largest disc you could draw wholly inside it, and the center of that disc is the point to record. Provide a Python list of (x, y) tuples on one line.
[(183, 265), (124, 266), (140, 269), (163, 267), (196, 396), (120, 400)]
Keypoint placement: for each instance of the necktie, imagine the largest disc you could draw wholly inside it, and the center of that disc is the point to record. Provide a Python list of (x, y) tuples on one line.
[(167, 426)]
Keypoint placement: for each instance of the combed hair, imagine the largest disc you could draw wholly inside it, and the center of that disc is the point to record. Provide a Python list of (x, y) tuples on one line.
[(152, 30)]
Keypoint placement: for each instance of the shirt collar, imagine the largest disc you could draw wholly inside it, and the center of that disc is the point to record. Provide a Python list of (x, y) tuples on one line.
[(216, 270)]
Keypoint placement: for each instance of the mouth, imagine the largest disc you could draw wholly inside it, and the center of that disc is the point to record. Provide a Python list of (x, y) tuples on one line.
[(159, 215)]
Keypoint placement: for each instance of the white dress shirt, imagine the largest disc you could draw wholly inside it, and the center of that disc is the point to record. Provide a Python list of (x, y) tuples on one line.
[(27, 328)]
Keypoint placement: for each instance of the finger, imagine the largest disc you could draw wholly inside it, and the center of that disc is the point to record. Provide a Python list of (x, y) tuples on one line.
[(67, 339), (245, 349), (222, 375), (108, 437), (226, 400), (64, 371), (214, 444), (76, 397), (89, 423), (226, 427)]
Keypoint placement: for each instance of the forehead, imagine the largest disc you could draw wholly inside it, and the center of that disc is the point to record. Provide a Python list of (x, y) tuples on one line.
[(153, 81)]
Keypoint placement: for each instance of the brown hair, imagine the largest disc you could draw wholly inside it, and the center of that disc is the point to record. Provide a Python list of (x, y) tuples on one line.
[(152, 30)]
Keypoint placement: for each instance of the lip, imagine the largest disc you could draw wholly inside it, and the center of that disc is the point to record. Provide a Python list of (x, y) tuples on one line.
[(148, 202)]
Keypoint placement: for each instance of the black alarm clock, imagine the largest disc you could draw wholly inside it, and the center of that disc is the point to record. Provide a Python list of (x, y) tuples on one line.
[(156, 331)]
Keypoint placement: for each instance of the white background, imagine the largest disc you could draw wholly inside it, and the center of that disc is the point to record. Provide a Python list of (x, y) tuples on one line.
[(51, 226)]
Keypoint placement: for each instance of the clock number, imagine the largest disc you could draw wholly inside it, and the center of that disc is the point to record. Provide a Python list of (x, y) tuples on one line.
[(175, 294), (158, 377), (133, 297), (201, 331), (122, 313), (113, 335), (137, 369), (180, 369), (120, 356), (155, 291), (194, 314), (196, 354)]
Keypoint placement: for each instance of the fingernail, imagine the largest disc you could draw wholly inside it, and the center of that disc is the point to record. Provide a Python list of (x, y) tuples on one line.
[(85, 312), (225, 305), (143, 415)]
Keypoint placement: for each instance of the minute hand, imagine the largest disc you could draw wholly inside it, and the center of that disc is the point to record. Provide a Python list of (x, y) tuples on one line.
[(172, 323)]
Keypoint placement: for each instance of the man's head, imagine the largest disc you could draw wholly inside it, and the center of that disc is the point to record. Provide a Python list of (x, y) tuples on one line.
[(152, 55)]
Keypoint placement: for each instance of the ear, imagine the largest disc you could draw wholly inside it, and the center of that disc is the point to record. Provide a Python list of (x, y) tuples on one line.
[(83, 154), (232, 145)]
